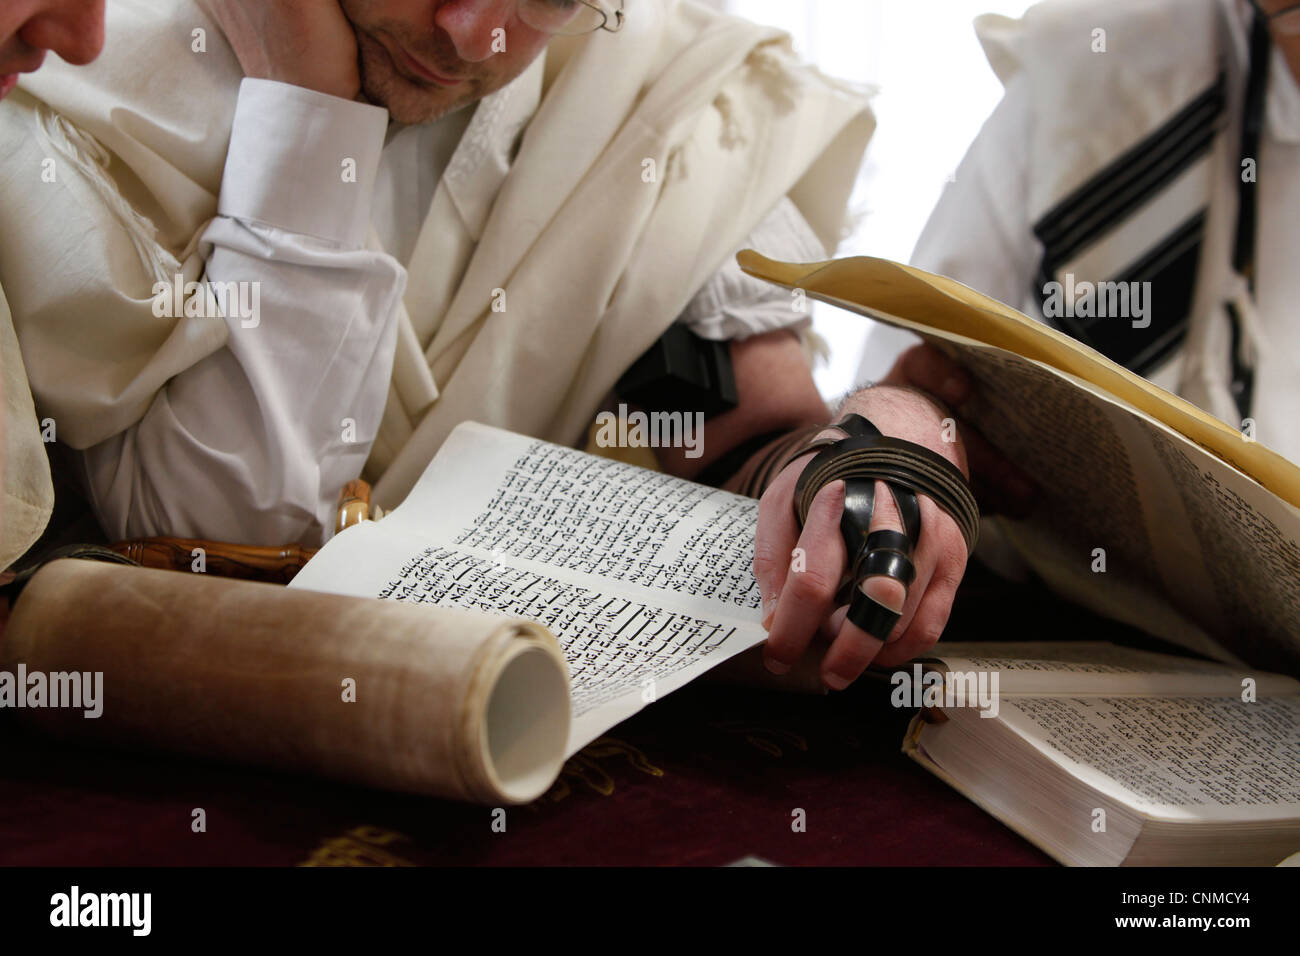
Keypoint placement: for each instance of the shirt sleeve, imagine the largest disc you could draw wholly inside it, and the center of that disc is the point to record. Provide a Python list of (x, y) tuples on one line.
[(253, 443), (979, 232), (732, 305)]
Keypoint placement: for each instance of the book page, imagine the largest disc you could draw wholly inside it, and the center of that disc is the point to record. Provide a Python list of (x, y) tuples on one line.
[(1174, 758), (1177, 543), (645, 579), (1099, 667)]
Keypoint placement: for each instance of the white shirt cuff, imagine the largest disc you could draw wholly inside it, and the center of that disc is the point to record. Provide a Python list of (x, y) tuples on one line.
[(733, 305), (303, 161)]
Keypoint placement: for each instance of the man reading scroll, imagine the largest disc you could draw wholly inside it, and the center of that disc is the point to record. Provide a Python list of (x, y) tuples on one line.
[(292, 242)]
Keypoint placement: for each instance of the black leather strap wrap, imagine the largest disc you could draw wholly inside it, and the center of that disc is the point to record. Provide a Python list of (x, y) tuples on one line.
[(890, 540), (907, 469), (892, 564), (899, 463), (874, 618)]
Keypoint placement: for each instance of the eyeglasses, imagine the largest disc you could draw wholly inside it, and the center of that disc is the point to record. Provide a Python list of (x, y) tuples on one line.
[(572, 17)]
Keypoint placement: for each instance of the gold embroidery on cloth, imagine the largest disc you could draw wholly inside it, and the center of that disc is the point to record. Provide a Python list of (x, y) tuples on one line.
[(360, 846), (583, 767), (767, 739)]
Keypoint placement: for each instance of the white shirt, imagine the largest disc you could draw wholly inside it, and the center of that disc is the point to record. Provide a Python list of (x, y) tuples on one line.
[(980, 234), (253, 443)]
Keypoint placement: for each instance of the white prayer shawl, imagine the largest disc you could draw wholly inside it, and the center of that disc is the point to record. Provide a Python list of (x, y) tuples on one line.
[(594, 260), (28, 496), (1104, 75)]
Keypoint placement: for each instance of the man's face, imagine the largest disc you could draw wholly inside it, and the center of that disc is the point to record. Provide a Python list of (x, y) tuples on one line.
[(74, 29), (424, 58), (1285, 28)]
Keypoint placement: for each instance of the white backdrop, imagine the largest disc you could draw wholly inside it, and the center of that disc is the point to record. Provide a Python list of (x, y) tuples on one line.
[(935, 90)]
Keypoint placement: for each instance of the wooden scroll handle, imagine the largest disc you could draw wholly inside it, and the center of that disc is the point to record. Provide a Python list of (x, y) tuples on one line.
[(251, 563), (277, 565)]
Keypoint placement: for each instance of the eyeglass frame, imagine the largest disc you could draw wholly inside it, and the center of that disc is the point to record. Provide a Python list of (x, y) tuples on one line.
[(617, 14), (604, 25)]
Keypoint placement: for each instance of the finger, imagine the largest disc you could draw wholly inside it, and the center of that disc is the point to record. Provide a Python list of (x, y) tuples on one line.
[(830, 628), (931, 615), (928, 369), (892, 593), (853, 648), (775, 538), (851, 652), (747, 670), (809, 591)]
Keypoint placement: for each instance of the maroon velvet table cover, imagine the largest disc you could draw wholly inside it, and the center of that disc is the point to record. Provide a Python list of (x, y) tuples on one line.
[(705, 776)]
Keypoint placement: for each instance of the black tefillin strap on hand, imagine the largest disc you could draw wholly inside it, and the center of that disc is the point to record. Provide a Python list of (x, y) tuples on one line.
[(907, 469)]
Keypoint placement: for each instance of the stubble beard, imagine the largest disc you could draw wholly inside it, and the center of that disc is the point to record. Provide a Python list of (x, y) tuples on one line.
[(408, 101)]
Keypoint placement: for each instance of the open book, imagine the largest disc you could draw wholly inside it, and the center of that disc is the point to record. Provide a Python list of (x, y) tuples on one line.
[(1102, 755), (1151, 512), (645, 579)]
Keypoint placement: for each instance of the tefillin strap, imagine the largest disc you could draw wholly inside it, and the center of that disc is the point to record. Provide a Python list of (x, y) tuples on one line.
[(908, 469)]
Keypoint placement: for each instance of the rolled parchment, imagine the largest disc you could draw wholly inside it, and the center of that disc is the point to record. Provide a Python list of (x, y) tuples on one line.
[(431, 700)]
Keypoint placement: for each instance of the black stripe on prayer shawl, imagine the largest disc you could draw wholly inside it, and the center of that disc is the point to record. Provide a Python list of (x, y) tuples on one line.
[(1170, 267), (1128, 182), (1113, 195)]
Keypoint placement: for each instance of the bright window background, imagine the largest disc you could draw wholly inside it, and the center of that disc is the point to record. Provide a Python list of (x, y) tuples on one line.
[(935, 89)]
